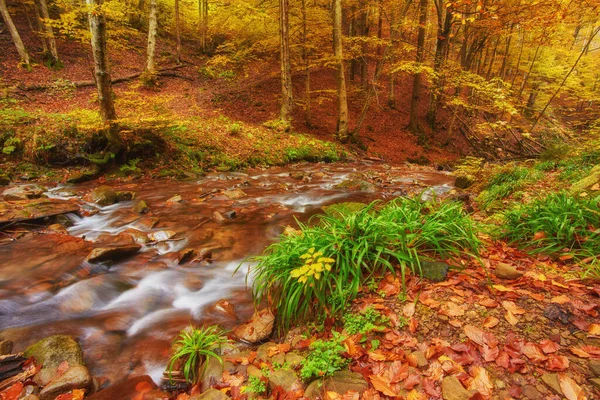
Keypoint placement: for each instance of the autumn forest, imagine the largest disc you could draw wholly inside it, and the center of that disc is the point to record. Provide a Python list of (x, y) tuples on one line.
[(288, 199)]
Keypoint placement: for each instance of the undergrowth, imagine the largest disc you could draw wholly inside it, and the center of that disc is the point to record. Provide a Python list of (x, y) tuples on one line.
[(505, 182), (346, 250), (560, 225), (325, 357)]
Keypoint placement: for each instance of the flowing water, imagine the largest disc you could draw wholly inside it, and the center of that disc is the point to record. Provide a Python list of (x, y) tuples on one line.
[(126, 314)]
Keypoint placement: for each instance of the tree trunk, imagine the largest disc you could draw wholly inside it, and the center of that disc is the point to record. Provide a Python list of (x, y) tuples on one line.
[(49, 32), (528, 74), (39, 32), (342, 97), (416, 91), (284, 57), (14, 34), (443, 35), (177, 33), (152, 28), (307, 110), (97, 24), (203, 24), (392, 78)]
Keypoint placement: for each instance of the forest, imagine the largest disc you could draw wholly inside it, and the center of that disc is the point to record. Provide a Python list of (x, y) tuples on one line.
[(290, 199)]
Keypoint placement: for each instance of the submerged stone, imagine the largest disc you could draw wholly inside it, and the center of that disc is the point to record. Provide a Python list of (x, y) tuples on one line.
[(104, 196), (112, 253), (24, 192)]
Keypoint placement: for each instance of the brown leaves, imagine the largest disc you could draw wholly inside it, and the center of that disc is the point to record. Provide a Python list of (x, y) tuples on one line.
[(475, 334), (452, 309), (512, 310), (533, 352), (548, 346), (383, 385), (481, 381), (557, 363), (490, 322)]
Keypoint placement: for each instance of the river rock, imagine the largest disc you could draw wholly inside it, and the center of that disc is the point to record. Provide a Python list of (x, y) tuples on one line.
[(6, 347), (452, 389), (588, 186), (104, 196), (212, 372), (126, 195), (24, 192), (234, 194), (185, 255), (57, 228), (210, 394), (174, 200), (53, 350), (139, 237), (341, 382), (76, 377), (128, 389), (285, 379), (356, 185), (4, 180), (258, 328), (434, 271), (84, 175), (112, 253), (161, 236), (141, 207), (507, 271), (464, 181), (294, 359)]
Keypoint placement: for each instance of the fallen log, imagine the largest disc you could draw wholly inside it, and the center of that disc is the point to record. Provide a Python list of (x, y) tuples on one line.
[(79, 84)]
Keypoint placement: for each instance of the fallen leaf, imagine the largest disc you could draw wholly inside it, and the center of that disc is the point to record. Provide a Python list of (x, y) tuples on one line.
[(579, 352), (548, 346), (539, 236), (490, 322), (489, 303), (512, 307), (481, 381), (533, 352), (557, 363), (475, 334), (510, 317), (416, 395), (452, 310), (558, 284), (594, 329), (382, 385), (490, 353), (502, 288), (562, 299), (455, 323), (412, 381), (408, 310), (570, 388)]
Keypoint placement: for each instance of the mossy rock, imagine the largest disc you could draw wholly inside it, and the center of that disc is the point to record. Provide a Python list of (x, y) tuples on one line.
[(104, 196), (356, 185), (53, 350), (344, 208), (588, 186), (435, 271), (84, 175), (464, 181)]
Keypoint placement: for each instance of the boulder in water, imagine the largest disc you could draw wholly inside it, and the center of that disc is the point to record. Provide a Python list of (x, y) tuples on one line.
[(53, 350), (234, 193), (141, 207), (23, 192), (104, 196), (112, 253)]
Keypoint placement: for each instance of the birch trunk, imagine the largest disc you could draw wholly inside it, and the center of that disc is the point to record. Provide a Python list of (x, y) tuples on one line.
[(14, 34)]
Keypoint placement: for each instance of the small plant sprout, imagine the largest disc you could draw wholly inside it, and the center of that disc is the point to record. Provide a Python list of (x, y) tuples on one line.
[(193, 347)]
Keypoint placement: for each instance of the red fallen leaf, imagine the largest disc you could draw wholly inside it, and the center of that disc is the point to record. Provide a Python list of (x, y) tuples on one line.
[(533, 352), (143, 387), (412, 325), (398, 371), (430, 389), (13, 392), (64, 396), (490, 322), (428, 301), (412, 381), (593, 351), (490, 354), (562, 299), (503, 360), (557, 363), (280, 348), (371, 394), (570, 388), (581, 324), (382, 385), (489, 303), (475, 334), (183, 396), (196, 389), (452, 309), (455, 322), (516, 392), (548, 346)]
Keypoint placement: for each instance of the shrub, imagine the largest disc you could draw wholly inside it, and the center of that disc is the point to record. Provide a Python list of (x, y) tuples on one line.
[(558, 224), (345, 250), (192, 347), (505, 182), (325, 358), (368, 320)]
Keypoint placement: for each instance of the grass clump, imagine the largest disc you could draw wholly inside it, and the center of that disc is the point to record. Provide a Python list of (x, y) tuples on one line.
[(320, 270), (559, 224), (325, 358), (506, 182), (193, 347)]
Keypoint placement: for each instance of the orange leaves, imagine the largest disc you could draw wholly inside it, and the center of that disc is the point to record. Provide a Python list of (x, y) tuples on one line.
[(562, 299), (586, 351), (475, 334), (548, 346), (490, 322), (570, 388), (533, 352), (481, 381), (594, 330), (452, 309), (383, 385), (512, 310), (280, 348), (557, 363)]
